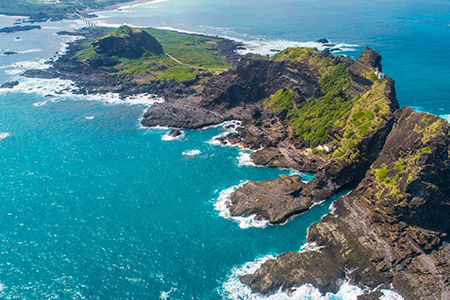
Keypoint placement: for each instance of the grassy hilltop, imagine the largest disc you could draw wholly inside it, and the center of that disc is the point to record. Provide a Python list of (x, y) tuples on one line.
[(192, 56)]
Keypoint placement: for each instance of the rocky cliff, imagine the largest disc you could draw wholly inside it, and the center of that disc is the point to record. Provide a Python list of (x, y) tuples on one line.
[(393, 228)]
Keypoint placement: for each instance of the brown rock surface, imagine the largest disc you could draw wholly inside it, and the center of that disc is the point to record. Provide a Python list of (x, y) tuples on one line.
[(393, 228)]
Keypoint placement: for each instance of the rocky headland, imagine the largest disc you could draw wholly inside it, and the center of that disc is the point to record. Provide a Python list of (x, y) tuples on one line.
[(313, 112), (393, 228)]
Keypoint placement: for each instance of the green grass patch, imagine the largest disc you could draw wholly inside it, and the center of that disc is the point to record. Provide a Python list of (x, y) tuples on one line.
[(426, 150), (193, 50), (364, 129)]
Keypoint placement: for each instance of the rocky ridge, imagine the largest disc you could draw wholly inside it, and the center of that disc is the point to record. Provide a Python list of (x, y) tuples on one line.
[(393, 228)]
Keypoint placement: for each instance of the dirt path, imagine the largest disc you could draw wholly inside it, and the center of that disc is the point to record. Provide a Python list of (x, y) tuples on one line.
[(191, 66)]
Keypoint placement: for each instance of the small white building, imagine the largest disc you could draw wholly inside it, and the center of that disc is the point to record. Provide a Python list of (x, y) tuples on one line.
[(379, 74)]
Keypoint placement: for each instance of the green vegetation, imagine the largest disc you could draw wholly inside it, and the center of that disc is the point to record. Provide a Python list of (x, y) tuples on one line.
[(282, 102), (426, 150), (193, 50), (313, 117), (42, 8)]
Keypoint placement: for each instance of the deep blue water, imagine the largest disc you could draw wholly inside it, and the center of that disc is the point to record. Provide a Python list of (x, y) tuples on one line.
[(95, 207)]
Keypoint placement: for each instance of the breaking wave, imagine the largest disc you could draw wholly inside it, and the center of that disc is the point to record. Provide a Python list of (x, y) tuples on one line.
[(243, 222), (233, 289)]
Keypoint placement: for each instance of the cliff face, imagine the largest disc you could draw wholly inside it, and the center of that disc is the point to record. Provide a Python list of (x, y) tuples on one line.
[(393, 228), (357, 136)]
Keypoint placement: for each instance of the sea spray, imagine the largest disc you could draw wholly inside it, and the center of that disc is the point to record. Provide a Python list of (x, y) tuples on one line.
[(222, 203), (233, 289)]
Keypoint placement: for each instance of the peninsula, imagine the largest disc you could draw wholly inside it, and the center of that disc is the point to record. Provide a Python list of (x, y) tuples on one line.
[(311, 111)]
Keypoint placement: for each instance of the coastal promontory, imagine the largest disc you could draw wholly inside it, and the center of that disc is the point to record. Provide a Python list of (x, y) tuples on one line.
[(313, 112)]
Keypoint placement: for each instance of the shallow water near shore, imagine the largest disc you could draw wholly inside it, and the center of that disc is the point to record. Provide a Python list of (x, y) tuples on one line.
[(95, 207)]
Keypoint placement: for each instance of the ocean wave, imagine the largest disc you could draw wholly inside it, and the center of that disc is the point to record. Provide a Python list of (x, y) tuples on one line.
[(191, 152), (233, 289), (30, 50), (231, 129), (3, 135), (244, 158), (57, 89), (272, 47), (243, 222), (168, 137), (445, 117)]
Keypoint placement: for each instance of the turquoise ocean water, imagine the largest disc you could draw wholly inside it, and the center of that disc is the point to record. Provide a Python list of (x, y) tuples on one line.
[(95, 207)]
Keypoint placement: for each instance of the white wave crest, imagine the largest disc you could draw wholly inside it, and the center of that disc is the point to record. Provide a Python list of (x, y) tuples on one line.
[(229, 126), (390, 295), (244, 222), (191, 152), (168, 137), (30, 50), (272, 47), (311, 247), (3, 135), (445, 117), (244, 159), (62, 89)]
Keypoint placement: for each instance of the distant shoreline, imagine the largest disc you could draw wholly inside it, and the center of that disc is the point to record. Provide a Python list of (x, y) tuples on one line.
[(40, 15), (117, 6)]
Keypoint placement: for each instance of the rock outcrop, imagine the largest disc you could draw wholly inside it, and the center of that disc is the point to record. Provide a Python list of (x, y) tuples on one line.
[(283, 148), (9, 85), (17, 28), (393, 228)]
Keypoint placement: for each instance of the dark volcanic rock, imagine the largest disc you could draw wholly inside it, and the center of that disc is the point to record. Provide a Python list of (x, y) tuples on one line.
[(127, 42), (175, 133), (9, 85), (19, 28), (392, 228), (181, 114), (323, 41), (72, 33)]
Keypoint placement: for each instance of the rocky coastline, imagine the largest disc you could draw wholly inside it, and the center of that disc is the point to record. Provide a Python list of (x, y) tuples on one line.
[(391, 229)]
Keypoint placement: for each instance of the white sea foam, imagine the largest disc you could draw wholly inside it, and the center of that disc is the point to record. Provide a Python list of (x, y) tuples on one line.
[(214, 140), (166, 295), (168, 137), (272, 47), (445, 117), (30, 50), (418, 109), (311, 247), (244, 159), (3, 135), (40, 103), (390, 295), (62, 89), (244, 222), (233, 289), (191, 152)]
